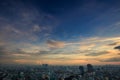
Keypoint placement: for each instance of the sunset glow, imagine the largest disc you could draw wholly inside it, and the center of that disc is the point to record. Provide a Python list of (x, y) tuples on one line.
[(60, 32)]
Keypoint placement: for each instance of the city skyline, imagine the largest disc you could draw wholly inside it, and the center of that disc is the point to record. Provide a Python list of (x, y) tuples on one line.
[(60, 32)]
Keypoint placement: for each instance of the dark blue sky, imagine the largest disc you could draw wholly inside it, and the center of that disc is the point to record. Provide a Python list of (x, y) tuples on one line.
[(71, 17), (31, 24)]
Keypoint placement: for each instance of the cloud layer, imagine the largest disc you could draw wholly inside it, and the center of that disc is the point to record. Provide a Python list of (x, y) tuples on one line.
[(55, 44), (36, 34)]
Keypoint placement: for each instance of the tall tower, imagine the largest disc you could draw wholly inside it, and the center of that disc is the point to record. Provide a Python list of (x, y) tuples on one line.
[(81, 68), (90, 68)]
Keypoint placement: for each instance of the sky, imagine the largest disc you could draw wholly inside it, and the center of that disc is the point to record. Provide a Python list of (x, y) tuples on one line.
[(60, 32)]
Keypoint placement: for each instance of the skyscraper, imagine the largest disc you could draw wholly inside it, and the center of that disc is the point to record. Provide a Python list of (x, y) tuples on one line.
[(90, 68), (81, 68)]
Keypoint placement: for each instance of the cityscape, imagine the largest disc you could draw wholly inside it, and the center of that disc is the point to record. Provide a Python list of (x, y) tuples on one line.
[(59, 39)]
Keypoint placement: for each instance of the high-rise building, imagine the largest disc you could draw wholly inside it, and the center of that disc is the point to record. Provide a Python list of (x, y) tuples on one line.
[(90, 68), (81, 68)]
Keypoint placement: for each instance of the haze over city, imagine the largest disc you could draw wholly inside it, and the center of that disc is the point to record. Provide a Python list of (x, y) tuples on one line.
[(60, 32)]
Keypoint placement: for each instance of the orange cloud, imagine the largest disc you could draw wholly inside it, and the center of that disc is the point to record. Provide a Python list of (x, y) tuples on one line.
[(55, 44), (86, 47)]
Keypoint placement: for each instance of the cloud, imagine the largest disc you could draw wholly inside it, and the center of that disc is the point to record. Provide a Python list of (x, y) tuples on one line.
[(4, 50), (5, 55), (18, 51), (94, 40), (28, 23), (113, 44), (113, 59), (87, 47), (118, 53), (1, 49), (117, 47), (42, 53), (97, 53), (36, 28), (31, 52), (118, 23), (55, 44)]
